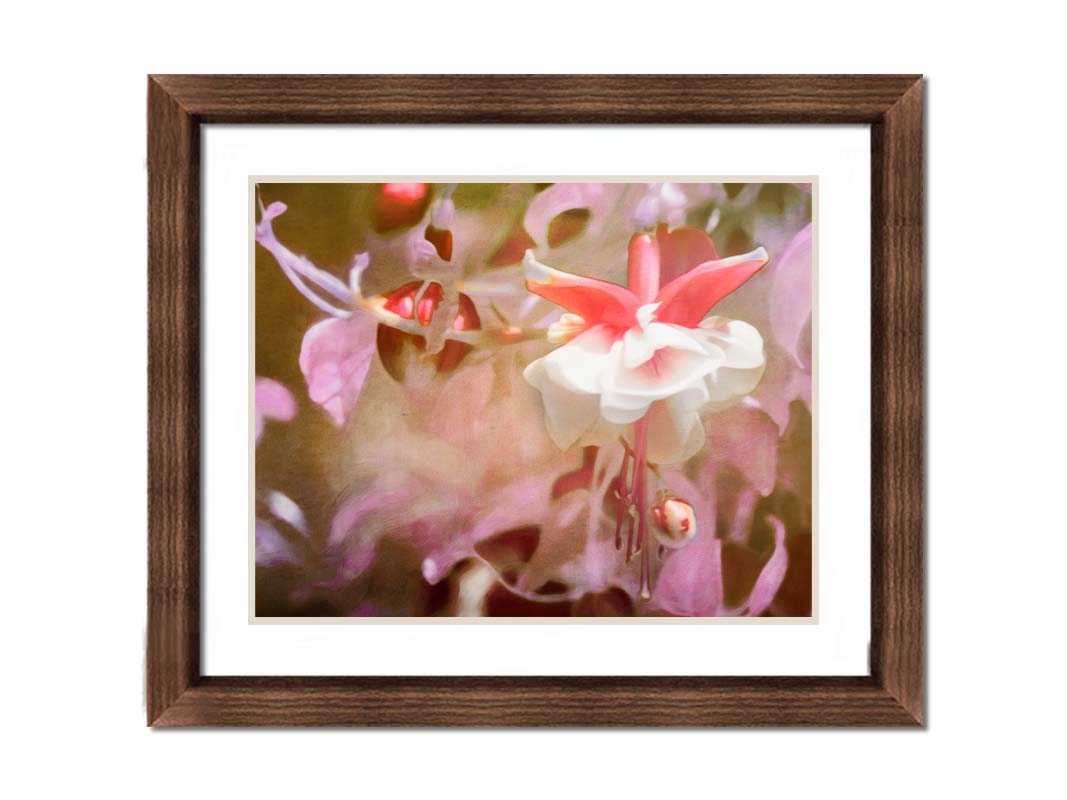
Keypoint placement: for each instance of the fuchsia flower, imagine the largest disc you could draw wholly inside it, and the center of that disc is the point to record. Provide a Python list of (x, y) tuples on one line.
[(644, 352), (645, 357)]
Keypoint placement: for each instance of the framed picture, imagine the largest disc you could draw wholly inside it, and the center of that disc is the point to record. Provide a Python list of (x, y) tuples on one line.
[(535, 400)]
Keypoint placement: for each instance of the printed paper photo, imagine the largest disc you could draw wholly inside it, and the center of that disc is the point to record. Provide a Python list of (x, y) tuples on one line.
[(519, 399)]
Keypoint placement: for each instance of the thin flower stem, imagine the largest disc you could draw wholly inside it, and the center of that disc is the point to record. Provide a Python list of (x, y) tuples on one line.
[(487, 289), (642, 278), (629, 532), (624, 498), (629, 451), (300, 271), (480, 336), (630, 510), (641, 499)]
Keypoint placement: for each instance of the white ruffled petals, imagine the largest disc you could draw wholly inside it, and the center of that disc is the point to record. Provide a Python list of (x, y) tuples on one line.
[(599, 382)]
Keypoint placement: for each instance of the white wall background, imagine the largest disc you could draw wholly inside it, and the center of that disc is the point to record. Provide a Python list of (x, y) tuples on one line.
[(72, 318)]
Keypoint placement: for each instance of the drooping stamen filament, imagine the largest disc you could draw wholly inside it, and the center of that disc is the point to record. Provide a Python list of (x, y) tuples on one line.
[(641, 491), (623, 493), (632, 494), (643, 270), (299, 270)]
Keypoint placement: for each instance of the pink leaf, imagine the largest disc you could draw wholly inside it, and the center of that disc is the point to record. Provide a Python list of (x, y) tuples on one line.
[(335, 357)]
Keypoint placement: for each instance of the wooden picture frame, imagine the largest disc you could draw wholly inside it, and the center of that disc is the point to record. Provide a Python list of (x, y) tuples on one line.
[(177, 693)]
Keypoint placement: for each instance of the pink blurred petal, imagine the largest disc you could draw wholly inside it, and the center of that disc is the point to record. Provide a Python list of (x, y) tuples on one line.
[(581, 478), (284, 509), (358, 526), (783, 382), (791, 297), (366, 610), (510, 550), (556, 199), (457, 413), (744, 507), (334, 357), (272, 548), (685, 300), (447, 540), (771, 576), (355, 512), (273, 401), (355, 561), (662, 202), (747, 439), (690, 582)]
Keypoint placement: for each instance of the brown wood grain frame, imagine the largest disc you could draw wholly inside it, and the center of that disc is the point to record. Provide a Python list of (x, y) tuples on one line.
[(179, 695)]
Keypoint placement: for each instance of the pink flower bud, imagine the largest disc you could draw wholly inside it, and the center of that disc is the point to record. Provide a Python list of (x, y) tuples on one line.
[(675, 522)]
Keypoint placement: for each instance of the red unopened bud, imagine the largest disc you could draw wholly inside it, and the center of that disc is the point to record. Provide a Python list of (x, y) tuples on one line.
[(675, 522), (399, 205)]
